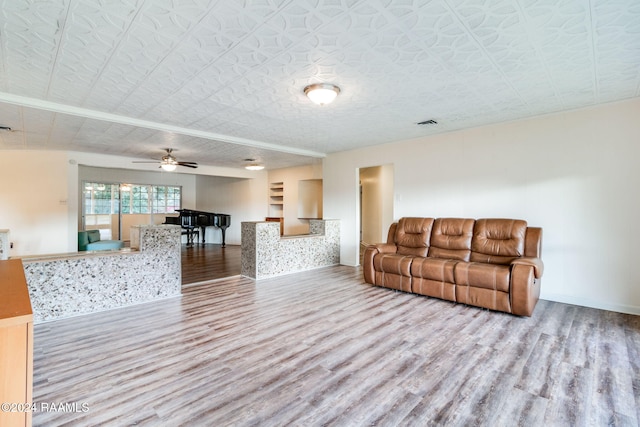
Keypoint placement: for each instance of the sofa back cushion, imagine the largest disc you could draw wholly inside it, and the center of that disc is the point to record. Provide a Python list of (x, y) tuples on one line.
[(391, 235), (93, 235), (498, 241), (451, 238), (412, 236)]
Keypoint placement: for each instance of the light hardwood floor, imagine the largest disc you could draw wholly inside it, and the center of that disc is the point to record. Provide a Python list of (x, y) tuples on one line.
[(323, 348)]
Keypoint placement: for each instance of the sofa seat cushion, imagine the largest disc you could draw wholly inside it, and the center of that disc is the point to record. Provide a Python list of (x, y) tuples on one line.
[(105, 245), (434, 269), (433, 277), (393, 271), (488, 276), (393, 263), (483, 285), (485, 298)]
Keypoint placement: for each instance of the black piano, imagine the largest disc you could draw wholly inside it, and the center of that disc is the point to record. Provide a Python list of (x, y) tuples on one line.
[(194, 223)]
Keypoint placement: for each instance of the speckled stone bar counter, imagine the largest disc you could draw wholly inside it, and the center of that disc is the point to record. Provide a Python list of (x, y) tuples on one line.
[(4, 244), (266, 254), (73, 284)]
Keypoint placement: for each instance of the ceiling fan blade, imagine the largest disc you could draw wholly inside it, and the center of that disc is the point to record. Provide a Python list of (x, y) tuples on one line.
[(188, 164), (168, 159)]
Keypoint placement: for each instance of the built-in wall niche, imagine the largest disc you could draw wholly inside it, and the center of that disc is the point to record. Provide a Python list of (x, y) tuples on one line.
[(310, 199), (276, 199)]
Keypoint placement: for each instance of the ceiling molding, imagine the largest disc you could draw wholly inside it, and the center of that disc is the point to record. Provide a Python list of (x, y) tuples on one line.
[(55, 107)]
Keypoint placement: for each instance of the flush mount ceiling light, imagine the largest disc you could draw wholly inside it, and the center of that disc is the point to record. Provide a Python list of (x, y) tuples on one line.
[(253, 165), (322, 93)]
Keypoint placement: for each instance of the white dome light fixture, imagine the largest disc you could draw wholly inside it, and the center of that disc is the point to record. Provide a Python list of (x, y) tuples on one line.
[(322, 93), (169, 167), (253, 165)]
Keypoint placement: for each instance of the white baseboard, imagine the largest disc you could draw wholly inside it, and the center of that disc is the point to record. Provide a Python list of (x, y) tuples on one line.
[(585, 302)]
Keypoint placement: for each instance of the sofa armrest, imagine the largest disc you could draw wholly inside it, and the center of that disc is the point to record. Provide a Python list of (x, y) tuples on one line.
[(536, 263), (525, 289), (83, 240), (385, 248), (367, 260)]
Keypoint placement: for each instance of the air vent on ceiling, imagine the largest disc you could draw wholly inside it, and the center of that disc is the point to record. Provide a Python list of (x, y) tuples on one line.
[(428, 122)]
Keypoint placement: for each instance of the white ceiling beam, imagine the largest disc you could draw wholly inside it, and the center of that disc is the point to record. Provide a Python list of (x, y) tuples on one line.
[(124, 120)]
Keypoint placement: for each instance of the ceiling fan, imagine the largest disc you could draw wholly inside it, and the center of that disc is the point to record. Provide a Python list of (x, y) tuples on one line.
[(169, 163)]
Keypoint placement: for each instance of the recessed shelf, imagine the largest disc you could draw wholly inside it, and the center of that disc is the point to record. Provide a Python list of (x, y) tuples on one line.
[(276, 199)]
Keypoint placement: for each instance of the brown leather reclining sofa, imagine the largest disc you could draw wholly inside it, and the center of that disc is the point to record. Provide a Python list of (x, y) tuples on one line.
[(489, 263)]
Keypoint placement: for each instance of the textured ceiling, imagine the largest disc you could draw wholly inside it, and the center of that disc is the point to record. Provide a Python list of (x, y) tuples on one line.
[(221, 81)]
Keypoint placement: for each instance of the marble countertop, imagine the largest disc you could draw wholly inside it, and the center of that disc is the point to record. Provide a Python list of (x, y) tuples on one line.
[(75, 255)]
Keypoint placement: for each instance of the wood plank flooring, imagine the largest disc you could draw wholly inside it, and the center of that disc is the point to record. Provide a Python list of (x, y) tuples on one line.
[(322, 348), (209, 261)]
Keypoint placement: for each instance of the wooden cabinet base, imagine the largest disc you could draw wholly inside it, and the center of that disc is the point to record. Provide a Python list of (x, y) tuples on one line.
[(16, 346)]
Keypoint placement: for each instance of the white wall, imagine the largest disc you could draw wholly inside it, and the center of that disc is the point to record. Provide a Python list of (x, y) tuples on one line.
[(575, 174), (35, 201), (386, 195), (290, 177), (245, 199)]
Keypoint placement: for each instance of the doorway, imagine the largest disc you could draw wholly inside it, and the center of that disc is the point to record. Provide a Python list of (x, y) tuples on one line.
[(113, 207), (376, 204)]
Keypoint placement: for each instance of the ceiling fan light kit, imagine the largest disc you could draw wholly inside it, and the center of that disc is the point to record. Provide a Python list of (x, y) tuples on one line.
[(169, 163), (168, 167)]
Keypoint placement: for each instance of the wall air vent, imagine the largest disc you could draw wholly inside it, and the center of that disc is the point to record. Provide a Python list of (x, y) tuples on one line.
[(428, 122)]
